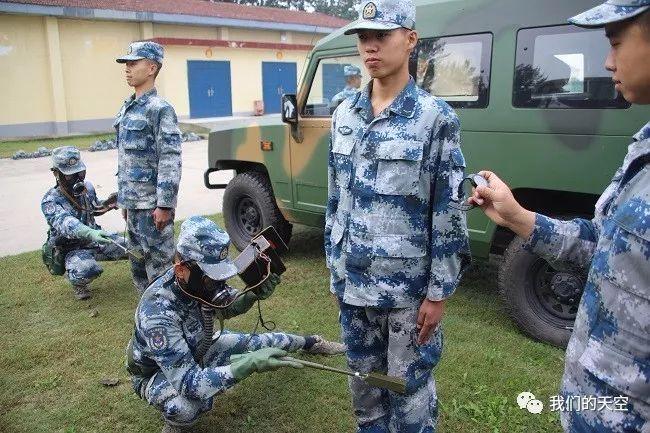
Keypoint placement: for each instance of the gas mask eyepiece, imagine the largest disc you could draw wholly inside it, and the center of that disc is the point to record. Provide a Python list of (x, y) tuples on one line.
[(209, 292)]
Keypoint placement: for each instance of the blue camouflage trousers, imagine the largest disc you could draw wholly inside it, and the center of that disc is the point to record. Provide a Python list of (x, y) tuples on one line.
[(632, 417), (385, 341), (182, 411), (81, 265), (156, 246)]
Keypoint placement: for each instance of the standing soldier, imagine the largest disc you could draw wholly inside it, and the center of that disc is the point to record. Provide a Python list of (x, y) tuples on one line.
[(395, 249), (149, 164), (75, 242), (352, 76), (608, 356)]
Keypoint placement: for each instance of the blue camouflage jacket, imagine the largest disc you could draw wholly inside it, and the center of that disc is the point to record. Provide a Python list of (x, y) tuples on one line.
[(611, 336), (64, 219), (348, 92), (390, 238), (149, 153), (168, 331)]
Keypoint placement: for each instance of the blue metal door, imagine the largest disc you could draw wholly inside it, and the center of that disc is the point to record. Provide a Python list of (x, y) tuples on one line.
[(209, 88), (277, 78), (333, 80)]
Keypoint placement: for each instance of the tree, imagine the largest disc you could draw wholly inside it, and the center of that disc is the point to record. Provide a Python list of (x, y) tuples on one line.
[(346, 9)]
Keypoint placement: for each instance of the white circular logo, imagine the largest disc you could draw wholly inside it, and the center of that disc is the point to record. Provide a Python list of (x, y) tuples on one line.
[(224, 253), (72, 161)]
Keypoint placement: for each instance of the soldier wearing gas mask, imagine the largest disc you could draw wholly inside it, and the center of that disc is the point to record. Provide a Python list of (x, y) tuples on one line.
[(75, 242), (176, 363)]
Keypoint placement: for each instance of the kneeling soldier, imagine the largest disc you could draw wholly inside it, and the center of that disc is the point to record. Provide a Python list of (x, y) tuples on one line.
[(74, 237), (175, 363)]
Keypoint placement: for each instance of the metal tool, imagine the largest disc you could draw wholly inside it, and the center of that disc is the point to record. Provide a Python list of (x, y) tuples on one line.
[(475, 180), (135, 255), (391, 383)]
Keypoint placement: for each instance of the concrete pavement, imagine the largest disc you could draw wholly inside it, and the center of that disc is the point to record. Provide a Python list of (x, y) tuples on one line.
[(24, 182)]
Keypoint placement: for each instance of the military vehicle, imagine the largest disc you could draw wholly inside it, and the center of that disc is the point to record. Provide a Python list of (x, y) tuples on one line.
[(536, 106)]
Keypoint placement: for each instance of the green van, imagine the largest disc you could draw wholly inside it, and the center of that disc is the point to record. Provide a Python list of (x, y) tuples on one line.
[(536, 106)]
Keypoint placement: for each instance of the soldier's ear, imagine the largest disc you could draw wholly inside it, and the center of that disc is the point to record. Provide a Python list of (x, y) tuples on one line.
[(412, 39), (181, 271)]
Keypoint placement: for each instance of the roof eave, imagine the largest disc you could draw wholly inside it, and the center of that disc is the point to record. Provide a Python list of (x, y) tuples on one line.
[(157, 17)]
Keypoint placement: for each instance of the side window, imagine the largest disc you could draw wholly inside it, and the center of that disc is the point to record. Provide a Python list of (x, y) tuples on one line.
[(563, 67), (330, 85), (456, 69)]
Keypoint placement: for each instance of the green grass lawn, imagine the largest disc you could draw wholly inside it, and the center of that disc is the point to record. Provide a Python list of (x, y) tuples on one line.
[(8, 148), (54, 351)]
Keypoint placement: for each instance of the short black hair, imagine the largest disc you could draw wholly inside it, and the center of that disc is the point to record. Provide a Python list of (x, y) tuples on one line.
[(158, 67), (644, 21)]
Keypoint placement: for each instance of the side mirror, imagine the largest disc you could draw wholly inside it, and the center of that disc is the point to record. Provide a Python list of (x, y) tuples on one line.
[(289, 109)]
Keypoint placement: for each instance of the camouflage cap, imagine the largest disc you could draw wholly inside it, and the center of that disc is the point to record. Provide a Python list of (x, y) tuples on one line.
[(384, 15), (205, 243), (143, 50), (351, 71), (611, 11), (67, 160)]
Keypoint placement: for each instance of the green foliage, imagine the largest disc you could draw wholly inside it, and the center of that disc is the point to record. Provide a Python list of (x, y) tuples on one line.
[(338, 8), (54, 352)]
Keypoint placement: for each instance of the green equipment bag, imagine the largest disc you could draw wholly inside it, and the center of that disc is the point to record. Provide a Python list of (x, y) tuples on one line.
[(53, 258)]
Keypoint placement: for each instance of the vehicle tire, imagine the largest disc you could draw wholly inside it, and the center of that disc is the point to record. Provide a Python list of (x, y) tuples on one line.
[(249, 207), (541, 300)]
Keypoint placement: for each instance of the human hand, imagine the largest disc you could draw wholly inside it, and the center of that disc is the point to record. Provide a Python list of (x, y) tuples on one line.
[(161, 217), (498, 203), (266, 289), (429, 316), (245, 364)]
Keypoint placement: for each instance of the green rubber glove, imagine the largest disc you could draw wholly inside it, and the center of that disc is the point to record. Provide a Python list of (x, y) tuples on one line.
[(245, 364), (92, 235), (265, 290), (240, 306)]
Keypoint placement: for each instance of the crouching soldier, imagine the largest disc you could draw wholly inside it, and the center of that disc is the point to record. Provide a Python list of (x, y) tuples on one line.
[(75, 242), (176, 364)]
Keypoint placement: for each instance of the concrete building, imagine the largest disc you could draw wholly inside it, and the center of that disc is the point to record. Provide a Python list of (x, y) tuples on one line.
[(59, 76)]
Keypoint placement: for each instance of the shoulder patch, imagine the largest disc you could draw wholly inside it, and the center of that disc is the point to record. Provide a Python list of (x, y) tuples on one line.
[(157, 338), (49, 208), (345, 130)]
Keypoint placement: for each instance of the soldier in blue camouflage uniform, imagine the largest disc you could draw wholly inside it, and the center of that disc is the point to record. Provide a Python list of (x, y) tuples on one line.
[(608, 356), (149, 164), (394, 248), (70, 215), (174, 365), (352, 76)]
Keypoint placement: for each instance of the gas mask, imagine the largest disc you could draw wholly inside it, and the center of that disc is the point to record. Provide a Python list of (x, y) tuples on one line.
[(204, 289), (72, 183)]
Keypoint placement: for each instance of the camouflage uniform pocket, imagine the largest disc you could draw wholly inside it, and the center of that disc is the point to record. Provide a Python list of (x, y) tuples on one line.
[(399, 246), (138, 174), (136, 135), (341, 151), (398, 167)]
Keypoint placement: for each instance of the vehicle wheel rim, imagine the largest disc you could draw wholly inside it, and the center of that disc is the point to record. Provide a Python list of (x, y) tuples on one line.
[(249, 217), (557, 293)]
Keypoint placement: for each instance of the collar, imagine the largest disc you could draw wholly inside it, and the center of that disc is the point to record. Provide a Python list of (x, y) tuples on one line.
[(640, 148), (402, 105), (142, 99), (643, 134)]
